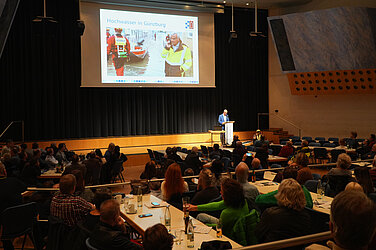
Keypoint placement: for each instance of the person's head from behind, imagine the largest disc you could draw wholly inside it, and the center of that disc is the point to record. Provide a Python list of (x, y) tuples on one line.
[(232, 193), (290, 172), (290, 194), (302, 160), (364, 179), (157, 238), (239, 144), (344, 161), (111, 147), (62, 147), (216, 147), (168, 150), (98, 153), (236, 137), (241, 172), (289, 143), (304, 143), (50, 151), (150, 170), (189, 172), (155, 185), (35, 145), (3, 171), (23, 147), (14, 150), (67, 184), (195, 150), (256, 163), (354, 186), (353, 134), (342, 142), (174, 182), (205, 179), (75, 158), (100, 196), (217, 168), (352, 220), (110, 212), (80, 182)]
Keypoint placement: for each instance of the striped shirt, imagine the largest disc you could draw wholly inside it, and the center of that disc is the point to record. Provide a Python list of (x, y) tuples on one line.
[(69, 208)]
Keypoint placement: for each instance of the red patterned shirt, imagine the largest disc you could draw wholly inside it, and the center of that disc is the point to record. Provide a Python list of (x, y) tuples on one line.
[(69, 208)]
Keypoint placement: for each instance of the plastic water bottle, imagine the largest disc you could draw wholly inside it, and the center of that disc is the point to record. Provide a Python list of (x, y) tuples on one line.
[(168, 218), (190, 235), (139, 197), (320, 190)]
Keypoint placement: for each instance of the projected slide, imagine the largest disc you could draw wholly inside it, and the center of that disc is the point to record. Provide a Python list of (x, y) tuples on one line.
[(144, 48)]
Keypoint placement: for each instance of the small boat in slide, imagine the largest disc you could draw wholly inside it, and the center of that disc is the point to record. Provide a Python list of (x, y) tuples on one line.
[(138, 51)]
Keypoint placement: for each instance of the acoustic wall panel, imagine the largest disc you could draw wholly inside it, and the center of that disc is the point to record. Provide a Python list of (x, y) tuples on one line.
[(338, 82)]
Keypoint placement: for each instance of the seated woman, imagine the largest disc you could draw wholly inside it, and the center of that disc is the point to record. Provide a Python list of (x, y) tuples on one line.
[(304, 173), (289, 219), (269, 199), (206, 190), (234, 206), (339, 176), (174, 185), (363, 177), (150, 171)]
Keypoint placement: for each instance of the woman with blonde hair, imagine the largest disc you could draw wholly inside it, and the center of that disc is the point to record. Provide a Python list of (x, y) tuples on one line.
[(174, 185), (289, 219)]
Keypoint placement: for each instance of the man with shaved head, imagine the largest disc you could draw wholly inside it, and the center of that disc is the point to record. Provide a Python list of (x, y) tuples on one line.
[(111, 232), (66, 206), (193, 160), (250, 191)]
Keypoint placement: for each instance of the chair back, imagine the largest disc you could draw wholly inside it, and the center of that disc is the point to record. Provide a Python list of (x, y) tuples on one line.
[(307, 138), (184, 150), (337, 183), (320, 138), (333, 139), (151, 154), (276, 149), (89, 246), (319, 221), (314, 144), (210, 149), (18, 220), (204, 150), (320, 153), (329, 145), (297, 143), (294, 138), (335, 153), (311, 185)]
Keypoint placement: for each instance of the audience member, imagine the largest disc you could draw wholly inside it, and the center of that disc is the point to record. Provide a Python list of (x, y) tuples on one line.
[(256, 164), (66, 206), (250, 191), (239, 149), (304, 173), (110, 233), (84, 193), (217, 153), (109, 152), (352, 222), (206, 190), (269, 199), (155, 189), (234, 141), (8, 147), (343, 165), (60, 155), (339, 176), (173, 155), (11, 190), (30, 173), (233, 206), (342, 144), (217, 169), (93, 169), (289, 219), (193, 160), (371, 154), (75, 165), (354, 186), (287, 150), (257, 135), (262, 153), (50, 159), (92, 218), (351, 142), (174, 185), (149, 172), (157, 238), (362, 176), (191, 185)]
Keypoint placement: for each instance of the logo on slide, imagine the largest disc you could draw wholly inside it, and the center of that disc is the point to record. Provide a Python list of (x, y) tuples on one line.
[(189, 24)]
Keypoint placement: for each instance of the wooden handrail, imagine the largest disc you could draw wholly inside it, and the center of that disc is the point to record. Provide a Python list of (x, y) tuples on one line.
[(307, 239)]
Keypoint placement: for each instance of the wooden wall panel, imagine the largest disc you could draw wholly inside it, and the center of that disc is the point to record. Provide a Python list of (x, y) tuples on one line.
[(339, 82)]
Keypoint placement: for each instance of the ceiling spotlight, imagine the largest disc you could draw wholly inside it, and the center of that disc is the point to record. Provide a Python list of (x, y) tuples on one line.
[(247, 4), (224, 2)]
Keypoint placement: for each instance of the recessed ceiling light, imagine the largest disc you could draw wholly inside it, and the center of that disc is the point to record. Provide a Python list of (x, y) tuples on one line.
[(224, 1), (247, 4)]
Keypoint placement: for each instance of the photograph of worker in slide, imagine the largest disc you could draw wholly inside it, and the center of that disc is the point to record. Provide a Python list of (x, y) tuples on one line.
[(177, 56), (119, 48)]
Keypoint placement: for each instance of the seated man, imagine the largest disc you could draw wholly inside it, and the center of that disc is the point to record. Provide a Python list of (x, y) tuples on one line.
[(352, 222), (193, 160), (111, 232), (250, 191), (287, 150), (207, 191), (67, 207), (93, 169)]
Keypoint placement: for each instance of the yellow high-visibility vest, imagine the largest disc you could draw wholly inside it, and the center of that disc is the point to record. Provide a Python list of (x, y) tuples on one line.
[(182, 57)]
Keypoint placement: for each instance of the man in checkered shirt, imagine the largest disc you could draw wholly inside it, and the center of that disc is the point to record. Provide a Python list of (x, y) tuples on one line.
[(68, 207)]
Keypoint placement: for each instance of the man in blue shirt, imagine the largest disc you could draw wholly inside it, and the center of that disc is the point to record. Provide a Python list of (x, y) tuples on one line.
[(221, 120)]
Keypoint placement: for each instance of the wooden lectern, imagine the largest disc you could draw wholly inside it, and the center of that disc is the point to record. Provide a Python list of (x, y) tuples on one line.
[(229, 132)]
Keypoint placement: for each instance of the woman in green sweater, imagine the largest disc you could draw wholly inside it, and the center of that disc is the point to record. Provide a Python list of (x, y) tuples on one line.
[(234, 206)]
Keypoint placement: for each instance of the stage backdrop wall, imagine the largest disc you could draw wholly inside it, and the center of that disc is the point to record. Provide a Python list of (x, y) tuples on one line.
[(40, 83)]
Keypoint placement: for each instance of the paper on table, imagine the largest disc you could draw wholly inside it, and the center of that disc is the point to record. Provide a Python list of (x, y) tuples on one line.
[(202, 229)]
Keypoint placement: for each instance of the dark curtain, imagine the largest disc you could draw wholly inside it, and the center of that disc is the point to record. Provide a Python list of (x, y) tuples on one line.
[(40, 76)]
